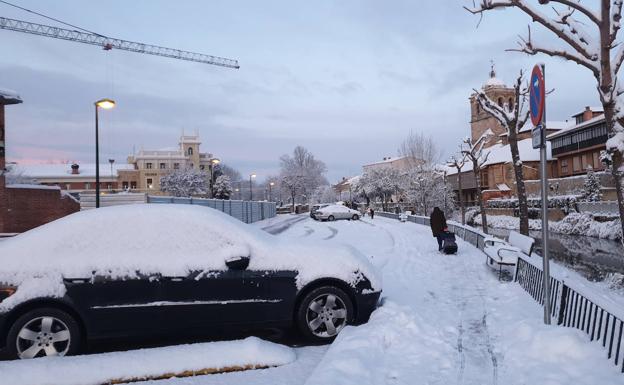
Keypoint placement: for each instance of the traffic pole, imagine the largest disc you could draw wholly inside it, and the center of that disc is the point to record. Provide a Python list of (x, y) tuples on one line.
[(544, 180)]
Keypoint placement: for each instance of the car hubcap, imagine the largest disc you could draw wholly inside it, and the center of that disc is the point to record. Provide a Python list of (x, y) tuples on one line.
[(326, 315), (43, 336)]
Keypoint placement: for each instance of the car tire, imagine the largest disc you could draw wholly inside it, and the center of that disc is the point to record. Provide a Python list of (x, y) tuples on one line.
[(355, 217), (323, 313), (43, 332), (331, 218)]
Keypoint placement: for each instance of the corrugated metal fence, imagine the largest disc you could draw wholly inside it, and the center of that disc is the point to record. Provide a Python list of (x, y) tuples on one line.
[(568, 305), (246, 211)]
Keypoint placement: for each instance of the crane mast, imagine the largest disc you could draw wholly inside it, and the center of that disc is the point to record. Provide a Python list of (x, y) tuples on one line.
[(108, 43)]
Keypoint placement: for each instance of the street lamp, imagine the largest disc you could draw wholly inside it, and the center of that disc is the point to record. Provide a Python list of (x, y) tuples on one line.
[(106, 104), (237, 192), (270, 191), (251, 176), (213, 162)]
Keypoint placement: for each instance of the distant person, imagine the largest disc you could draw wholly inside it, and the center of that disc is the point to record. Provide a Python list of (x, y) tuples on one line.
[(372, 213), (438, 224), (397, 210)]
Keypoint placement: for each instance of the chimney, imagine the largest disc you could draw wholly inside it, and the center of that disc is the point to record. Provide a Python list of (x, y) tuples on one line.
[(587, 114), (75, 168)]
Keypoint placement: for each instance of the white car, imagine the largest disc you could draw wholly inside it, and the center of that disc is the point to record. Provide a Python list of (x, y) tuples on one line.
[(333, 212)]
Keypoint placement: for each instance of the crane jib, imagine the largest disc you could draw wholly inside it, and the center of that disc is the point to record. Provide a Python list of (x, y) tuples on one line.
[(110, 43)]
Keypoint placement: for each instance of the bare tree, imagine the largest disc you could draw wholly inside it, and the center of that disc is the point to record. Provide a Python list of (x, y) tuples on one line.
[(301, 173), (590, 41), (458, 164), (475, 154), (420, 149), (512, 117)]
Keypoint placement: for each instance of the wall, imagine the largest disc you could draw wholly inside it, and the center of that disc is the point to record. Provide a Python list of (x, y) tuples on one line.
[(27, 208)]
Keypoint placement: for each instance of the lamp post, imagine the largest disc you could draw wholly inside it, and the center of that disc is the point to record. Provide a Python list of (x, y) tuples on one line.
[(251, 176), (213, 162), (106, 104), (271, 191), (237, 192)]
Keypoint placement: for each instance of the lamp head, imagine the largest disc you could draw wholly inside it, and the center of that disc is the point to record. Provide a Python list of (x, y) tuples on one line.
[(106, 104), (215, 161), (252, 175)]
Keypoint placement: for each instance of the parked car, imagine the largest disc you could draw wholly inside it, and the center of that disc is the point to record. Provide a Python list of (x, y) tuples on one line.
[(334, 212), (166, 269), (316, 208)]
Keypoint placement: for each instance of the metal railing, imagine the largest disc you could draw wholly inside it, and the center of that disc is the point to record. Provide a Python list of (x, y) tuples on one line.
[(568, 305), (601, 207), (245, 211)]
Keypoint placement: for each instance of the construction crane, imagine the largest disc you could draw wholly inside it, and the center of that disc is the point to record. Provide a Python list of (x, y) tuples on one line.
[(108, 43)]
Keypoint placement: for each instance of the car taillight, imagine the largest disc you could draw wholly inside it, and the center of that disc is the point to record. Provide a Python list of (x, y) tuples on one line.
[(6, 292)]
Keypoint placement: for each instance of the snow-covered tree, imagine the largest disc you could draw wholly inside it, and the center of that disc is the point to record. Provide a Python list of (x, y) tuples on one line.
[(301, 173), (457, 162), (475, 153), (184, 183), (589, 38), (512, 118), (380, 183), (222, 187), (425, 188), (324, 194), (16, 176), (591, 187)]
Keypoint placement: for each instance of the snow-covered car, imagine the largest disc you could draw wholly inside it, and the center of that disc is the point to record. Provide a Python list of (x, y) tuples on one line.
[(316, 208), (403, 217), (333, 212), (154, 269)]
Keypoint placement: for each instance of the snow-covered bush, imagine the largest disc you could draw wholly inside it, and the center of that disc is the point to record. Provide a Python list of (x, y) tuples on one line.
[(584, 224), (567, 203), (591, 187), (184, 183)]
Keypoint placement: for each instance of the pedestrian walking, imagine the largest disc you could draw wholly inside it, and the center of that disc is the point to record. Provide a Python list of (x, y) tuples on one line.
[(437, 222), (372, 213)]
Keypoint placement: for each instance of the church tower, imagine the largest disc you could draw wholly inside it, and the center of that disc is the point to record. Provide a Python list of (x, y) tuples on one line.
[(480, 120)]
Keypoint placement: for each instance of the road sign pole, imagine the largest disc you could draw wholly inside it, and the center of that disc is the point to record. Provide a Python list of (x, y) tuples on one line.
[(544, 180)]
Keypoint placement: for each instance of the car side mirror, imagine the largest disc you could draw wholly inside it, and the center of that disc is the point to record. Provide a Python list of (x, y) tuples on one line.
[(237, 263)]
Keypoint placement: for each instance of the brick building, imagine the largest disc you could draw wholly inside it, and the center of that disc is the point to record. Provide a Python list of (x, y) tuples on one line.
[(23, 207)]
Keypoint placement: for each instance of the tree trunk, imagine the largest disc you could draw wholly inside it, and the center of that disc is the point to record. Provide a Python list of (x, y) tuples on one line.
[(461, 198), (521, 189), (477, 173)]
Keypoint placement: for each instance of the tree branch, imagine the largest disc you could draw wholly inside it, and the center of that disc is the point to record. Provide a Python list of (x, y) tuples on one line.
[(584, 10)]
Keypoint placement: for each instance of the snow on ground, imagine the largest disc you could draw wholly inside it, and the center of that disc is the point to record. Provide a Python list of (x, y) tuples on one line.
[(572, 224), (103, 368)]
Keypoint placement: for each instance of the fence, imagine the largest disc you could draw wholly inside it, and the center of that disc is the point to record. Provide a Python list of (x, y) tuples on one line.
[(246, 211), (567, 305), (87, 200), (602, 207)]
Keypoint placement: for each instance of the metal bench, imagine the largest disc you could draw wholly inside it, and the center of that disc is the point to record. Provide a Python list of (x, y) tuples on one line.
[(500, 253)]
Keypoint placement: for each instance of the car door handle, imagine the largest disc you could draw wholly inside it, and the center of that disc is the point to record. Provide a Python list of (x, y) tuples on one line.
[(175, 279)]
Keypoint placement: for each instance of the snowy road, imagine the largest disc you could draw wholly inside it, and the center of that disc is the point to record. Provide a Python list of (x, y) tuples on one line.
[(445, 320)]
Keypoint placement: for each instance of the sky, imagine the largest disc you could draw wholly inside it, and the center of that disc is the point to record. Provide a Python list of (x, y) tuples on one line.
[(347, 79)]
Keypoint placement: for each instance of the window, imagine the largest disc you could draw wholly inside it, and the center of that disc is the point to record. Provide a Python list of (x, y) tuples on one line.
[(163, 166), (68, 186), (484, 179), (189, 151), (87, 186), (576, 163), (564, 166), (133, 185), (109, 186), (478, 108), (597, 163), (584, 163), (150, 183), (510, 104), (176, 166), (500, 102), (148, 165), (124, 185)]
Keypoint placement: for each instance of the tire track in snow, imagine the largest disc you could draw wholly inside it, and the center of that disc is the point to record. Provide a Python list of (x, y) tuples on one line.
[(308, 231), (334, 232), (283, 226)]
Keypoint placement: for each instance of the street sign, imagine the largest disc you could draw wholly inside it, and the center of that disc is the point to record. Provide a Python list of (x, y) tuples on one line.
[(537, 95), (538, 136)]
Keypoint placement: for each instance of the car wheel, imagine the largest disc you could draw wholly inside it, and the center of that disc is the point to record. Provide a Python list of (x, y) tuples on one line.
[(323, 313), (331, 218), (355, 217), (43, 332)]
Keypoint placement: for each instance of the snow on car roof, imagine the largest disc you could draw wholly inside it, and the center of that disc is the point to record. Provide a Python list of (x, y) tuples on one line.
[(171, 240), (335, 208)]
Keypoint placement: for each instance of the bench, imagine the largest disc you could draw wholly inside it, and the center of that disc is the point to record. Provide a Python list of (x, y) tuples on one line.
[(500, 253)]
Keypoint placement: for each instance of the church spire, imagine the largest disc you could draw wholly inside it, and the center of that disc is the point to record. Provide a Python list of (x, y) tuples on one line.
[(492, 70)]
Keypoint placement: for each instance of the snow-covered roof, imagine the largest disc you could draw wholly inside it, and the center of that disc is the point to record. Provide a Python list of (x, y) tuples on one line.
[(8, 96), (494, 82), (387, 160), (575, 127), (121, 240), (592, 109), (502, 154), (64, 170), (33, 186), (550, 125)]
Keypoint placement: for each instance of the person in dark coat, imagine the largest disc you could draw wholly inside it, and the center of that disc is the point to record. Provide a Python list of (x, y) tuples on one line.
[(438, 225), (372, 213)]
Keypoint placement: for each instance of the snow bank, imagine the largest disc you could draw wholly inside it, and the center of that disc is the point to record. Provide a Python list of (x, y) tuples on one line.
[(146, 363), (573, 224), (172, 240)]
